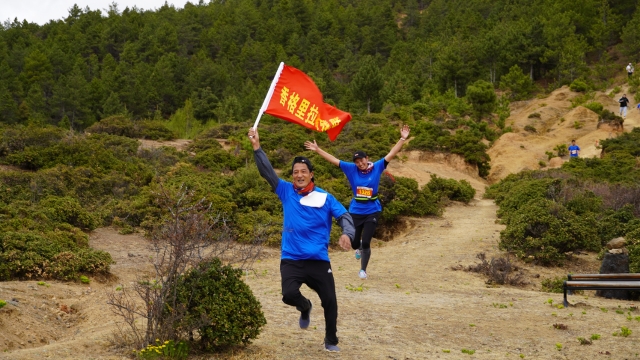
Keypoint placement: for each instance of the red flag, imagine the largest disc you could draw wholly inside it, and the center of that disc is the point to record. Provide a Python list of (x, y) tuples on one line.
[(297, 99)]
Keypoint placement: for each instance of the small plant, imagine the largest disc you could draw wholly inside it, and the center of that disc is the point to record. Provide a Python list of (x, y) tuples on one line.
[(560, 326), (625, 331), (398, 286), (446, 351), (577, 125), (562, 119), (560, 306), (584, 312), (530, 129), (584, 341), (2, 304), (468, 351), (499, 306), (595, 336), (42, 283), (554, 314), (561, 149), (84, 279), (355, 288), (558, 346), (165, 350), (533, 115), (521, 356), (550, 301), (472, 325), (604, 310), (549, 155), (542, 163), (637, 318)]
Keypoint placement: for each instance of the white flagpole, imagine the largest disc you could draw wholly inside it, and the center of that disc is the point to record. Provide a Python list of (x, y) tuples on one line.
[(267, 99)]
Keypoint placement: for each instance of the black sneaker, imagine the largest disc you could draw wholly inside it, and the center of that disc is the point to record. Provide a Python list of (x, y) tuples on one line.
[(305, 317)]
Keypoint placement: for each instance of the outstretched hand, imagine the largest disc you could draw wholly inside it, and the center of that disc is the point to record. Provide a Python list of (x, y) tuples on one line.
[(405, 131), (313, 146), (344, 242)]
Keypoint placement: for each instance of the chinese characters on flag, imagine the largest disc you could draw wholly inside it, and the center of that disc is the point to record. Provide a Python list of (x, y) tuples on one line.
[(297, 99)]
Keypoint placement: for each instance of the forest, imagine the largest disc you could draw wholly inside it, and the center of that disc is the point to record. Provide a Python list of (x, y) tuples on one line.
[(217, 58)]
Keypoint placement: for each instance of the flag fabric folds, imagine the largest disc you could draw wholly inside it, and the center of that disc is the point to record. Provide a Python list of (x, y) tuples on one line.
[(297, 99)]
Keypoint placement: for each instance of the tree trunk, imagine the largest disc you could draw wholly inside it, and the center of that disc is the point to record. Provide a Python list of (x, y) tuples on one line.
[(368, 106), (455, 86)]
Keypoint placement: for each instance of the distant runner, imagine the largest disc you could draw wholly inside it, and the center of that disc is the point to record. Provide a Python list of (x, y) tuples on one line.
[(365, 208), (624, 102), (305, 238), (630, 70), (574, 150)]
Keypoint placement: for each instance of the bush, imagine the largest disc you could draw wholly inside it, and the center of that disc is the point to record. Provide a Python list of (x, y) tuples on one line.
[(452, 189), (2, 303), (530, 129), (579, 86), (596, 107), (554, 285), (219, 305)]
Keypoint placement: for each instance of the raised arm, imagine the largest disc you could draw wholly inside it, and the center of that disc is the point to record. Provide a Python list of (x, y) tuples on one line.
[(404, 133), (264, 166), (313, 146)]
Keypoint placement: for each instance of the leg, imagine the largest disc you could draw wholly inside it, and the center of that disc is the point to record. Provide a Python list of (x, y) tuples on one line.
[(322, 282), (356, 242), (292, 273), (367, 235)]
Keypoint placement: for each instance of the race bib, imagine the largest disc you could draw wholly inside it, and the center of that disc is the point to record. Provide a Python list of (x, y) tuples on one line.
[(364, 192), (574, 151)]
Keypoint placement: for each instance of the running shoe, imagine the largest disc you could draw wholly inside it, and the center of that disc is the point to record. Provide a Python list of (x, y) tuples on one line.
[(358, 254), (305, 317), (362, 274), (331, 348)]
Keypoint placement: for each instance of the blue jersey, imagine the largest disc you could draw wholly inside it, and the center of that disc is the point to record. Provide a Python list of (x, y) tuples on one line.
[(306, 229), (364, 187), (573, 150)]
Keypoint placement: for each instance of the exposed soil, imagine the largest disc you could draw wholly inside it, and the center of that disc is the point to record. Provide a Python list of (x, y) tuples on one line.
[(414, 304)]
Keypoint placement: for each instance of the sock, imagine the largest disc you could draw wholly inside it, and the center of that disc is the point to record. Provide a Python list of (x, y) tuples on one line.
[(364, 260)]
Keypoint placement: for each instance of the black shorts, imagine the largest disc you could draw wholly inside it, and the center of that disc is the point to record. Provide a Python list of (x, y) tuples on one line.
[(360, 219)]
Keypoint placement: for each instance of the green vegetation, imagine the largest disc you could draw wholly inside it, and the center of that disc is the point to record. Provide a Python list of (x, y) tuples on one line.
[(234, 315), (581, 206), (2, 304)]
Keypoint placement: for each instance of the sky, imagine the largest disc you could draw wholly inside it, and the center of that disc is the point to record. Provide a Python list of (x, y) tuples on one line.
[(42, 11)]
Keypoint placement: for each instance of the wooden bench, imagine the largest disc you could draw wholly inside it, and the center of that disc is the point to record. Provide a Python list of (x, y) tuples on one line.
[(600, 282)]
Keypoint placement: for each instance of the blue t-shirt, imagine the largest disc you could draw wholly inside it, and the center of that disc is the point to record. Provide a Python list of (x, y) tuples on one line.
[(306, 229), (364, 186), (573, 150)]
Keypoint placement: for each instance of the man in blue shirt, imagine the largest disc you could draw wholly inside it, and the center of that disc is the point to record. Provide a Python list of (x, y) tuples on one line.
[(308, 211), (574, 150), (365, 208)]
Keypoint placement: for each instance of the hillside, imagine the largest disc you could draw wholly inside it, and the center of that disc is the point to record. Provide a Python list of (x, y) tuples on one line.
[(523, 150)]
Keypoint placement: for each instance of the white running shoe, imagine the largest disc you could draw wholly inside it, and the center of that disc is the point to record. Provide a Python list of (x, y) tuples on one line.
[(362, 274), (358, 254)]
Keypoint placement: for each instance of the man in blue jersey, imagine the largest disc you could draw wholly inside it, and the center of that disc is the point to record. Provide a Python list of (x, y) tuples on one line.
[(574, 150), (365, 208), (308, 211)]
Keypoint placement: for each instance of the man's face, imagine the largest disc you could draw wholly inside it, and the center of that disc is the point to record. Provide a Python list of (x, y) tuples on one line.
[(301, 175), (362, 163), (573, 143)]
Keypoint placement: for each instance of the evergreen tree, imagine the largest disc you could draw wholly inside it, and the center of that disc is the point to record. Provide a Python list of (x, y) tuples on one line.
[(367, 83)]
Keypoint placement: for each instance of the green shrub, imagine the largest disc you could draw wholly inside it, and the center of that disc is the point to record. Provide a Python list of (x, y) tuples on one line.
[(534, 115), (530, 129), (452, 189), (579, 86), (114, 125), (216, 294), (596, 107), (561, 149), (554, 285), (54, 254), (2, 304)]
